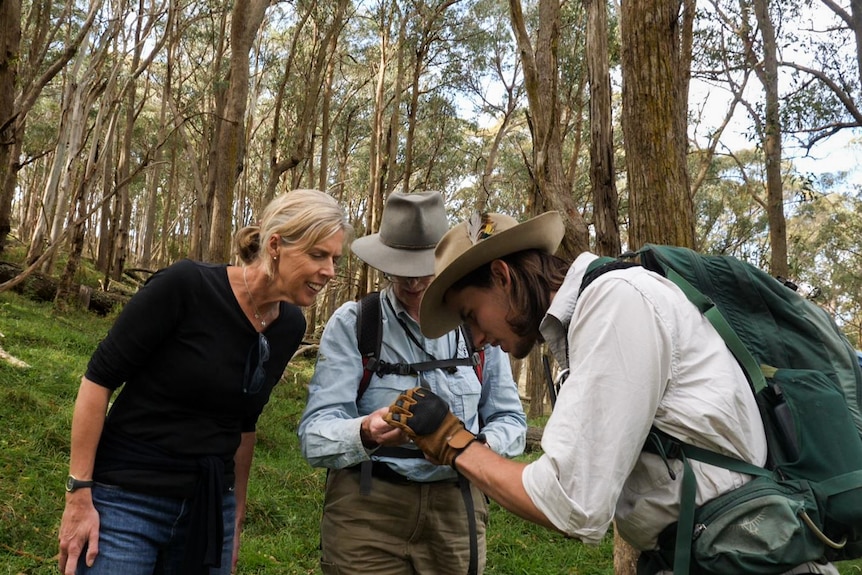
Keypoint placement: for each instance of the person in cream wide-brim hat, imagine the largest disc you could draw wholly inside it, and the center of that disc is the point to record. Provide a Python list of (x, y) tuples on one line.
[(472, 244), (634, 355)]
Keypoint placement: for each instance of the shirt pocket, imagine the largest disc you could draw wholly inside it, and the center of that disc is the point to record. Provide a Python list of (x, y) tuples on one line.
[(385, 390), (460, 390)]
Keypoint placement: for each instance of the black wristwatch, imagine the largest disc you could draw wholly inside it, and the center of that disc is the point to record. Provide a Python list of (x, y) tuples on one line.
[(74, 484)]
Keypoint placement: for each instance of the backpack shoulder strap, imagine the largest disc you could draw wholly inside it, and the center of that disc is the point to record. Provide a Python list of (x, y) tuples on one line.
[(602, 266), (369, 337), (707, 307)]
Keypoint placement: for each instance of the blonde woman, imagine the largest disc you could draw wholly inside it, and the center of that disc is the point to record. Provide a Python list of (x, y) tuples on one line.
[(159, 484)]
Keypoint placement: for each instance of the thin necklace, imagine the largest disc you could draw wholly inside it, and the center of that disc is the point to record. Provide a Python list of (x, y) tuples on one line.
[(257, 315)]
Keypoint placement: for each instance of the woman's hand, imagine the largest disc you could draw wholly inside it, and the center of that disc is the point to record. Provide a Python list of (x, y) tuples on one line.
[(79, 529)]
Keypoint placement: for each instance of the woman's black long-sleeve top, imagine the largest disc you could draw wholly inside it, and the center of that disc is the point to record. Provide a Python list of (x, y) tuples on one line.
[(179, 350)]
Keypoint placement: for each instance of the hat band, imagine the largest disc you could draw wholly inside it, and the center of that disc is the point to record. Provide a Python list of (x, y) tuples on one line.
[(409, 246)]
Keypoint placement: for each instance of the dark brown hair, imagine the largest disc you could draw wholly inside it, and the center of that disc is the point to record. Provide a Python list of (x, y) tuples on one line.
[(535, 276)]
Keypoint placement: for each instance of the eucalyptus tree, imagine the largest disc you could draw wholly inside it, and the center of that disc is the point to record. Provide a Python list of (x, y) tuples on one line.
[(757, 40), (827, 256), (490, 78), (656, 59), (37, 61), (602, 172), (730, 208), (765, 65), (157, 198), (10, 41), (539, 58), (193, 66), (414, 58), (229, 136), (388, 24), (81, 91), (826, 64), (306, 44), (428, 33), (656, 53), (150, 25)]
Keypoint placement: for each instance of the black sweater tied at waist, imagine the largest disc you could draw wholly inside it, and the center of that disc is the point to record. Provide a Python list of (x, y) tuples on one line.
[(205, 534)]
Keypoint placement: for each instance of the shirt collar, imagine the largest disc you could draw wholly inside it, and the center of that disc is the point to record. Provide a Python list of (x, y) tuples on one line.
[(400, 310), (559, 315)]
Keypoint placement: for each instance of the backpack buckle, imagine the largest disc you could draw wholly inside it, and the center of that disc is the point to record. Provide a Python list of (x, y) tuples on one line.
[(666, 449), (373, 365), (403, 369)]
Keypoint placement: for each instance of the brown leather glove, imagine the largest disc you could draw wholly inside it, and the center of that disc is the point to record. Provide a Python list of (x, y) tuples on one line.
[(426, 419)]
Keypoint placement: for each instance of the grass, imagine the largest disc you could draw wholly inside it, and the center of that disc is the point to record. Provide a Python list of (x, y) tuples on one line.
[(285, 499)]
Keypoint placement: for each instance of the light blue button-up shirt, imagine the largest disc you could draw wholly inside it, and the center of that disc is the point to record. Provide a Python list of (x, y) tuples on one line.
[(329, 429)]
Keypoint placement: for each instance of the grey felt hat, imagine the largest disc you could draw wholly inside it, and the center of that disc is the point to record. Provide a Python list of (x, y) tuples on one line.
[(410, 228)]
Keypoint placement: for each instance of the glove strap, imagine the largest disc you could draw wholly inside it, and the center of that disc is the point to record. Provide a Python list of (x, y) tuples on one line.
[(461, 439)]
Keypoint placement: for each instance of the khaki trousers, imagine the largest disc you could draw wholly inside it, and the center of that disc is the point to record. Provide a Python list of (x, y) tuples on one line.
[(398, 529)]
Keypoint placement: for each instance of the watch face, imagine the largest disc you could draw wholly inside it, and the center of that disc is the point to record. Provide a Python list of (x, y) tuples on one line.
[(73, 484)]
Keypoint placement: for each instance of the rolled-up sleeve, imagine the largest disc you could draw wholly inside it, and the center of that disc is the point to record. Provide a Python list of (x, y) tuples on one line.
[(329, 428)]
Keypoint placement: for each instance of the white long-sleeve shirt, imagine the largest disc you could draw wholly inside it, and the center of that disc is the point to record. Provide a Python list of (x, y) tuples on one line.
[(639, 354)]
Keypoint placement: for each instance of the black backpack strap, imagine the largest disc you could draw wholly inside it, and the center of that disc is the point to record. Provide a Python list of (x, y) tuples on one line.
[(469, 507), (369, 337), (601, 266)]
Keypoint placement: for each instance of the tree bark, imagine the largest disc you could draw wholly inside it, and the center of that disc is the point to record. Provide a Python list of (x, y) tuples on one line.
[(390, 139), (536, 386), (625, 557), (655, 63), (10, 41), (602, 174), (767, 71), (541, 81), (660, 205), (246, 18)]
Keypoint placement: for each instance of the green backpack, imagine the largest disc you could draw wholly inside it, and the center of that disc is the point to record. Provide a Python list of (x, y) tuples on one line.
[(806, 504)]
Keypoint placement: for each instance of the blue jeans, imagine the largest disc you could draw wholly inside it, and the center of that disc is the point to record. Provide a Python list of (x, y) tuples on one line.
[(143, 534)]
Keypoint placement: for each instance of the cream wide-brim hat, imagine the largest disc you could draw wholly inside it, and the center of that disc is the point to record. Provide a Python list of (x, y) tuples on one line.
[(474, 243)]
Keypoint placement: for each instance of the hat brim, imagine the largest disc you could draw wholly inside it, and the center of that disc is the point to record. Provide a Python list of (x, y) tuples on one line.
[(544, 232), (412, 263)]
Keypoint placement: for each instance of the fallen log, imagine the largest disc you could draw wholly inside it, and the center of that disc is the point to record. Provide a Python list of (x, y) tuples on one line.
[(41, 287)]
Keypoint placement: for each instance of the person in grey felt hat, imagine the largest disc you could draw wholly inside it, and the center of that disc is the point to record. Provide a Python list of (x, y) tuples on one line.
[(387, 509)]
